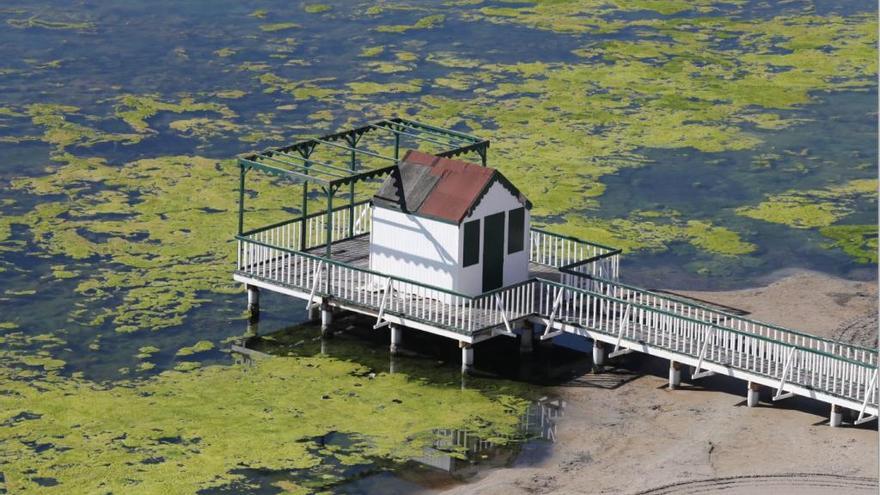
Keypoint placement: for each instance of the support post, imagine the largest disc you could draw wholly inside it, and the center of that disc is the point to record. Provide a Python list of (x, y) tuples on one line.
[(328, 250), (467, 357), (326, 320), (598, 353), (313, 313), (396, 338), (753, 394), (305, 199), (241, 200), (674, 374), (526, 338), (352, 141), (396, 146), (253, 295), (836, 418)]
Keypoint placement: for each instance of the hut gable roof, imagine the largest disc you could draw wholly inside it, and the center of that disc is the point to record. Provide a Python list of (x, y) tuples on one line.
[(440, 188)]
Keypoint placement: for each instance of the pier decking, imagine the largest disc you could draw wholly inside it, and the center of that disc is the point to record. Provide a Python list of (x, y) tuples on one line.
[(323, 259)]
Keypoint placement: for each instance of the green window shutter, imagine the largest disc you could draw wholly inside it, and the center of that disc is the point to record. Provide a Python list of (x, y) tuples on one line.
[(471, 255), (516, 230)]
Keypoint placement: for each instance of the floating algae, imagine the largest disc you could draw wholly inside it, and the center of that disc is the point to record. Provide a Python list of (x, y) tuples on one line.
[(181, 432), (814, 208), (858, 241)]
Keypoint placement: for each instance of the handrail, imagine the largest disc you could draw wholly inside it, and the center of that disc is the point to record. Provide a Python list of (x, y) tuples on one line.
[(704, 323), (306, 217), (346, 265), (731, 315), (575, 239)]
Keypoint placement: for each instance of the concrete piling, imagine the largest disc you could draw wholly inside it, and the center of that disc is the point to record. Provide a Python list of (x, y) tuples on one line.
[(674, 374), (253, 295), (836, 418), (396, 338), (598, 353), (326, 320), (753, 394), (467, 357)]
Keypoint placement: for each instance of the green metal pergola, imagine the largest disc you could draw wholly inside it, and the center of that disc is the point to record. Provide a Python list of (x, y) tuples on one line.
[(295, 162)]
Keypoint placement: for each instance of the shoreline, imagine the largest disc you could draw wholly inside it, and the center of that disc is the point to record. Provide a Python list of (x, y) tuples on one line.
[(640, 437)]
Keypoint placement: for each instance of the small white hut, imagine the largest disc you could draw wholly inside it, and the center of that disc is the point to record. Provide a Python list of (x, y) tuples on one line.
[(450, 224)]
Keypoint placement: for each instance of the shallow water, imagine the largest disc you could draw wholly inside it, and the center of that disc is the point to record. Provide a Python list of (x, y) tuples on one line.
[(626, 126)]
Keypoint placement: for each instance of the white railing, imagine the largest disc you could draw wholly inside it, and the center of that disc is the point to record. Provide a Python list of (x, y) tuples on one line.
[(303, 234), (690, 309), (574, 258), (392, 295), (790, 363)]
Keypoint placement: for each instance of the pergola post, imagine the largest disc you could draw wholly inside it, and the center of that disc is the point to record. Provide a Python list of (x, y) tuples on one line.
[(241, 199), (329, 223), (352, 141), (305, 152)]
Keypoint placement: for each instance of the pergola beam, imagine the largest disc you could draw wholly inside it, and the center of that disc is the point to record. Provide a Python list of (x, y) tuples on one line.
[(355, 150), (434, 129), (414, 136)]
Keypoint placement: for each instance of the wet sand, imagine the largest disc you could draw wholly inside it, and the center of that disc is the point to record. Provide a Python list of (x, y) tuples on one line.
[(632, 435)]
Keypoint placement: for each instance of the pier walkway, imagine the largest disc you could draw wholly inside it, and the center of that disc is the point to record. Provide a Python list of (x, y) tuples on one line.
[(573, 289)]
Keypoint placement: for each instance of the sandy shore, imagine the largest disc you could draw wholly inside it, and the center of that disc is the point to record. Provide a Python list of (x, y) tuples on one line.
[(636, 436)]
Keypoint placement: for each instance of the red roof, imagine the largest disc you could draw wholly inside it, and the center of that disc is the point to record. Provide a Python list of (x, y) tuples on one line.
[(441, 188)]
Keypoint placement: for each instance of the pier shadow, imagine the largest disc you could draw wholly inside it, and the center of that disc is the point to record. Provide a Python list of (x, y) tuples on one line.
[(437, 360)]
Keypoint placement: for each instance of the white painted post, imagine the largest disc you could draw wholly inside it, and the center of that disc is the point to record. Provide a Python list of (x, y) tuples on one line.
[(253, 295), (598, 353), (753, 394), (396, 338), (526, 338), (674, 374), (836, 416), (326, 320), (467, 357)]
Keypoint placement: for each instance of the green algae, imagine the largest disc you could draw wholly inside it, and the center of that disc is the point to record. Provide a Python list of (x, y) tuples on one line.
[(230, 94), (858, 241), (136, 109), (38, 22), (317, 8), (655, 231), (159, 283), (812, 208), (200, 346), (279, 26), (181, 432), (300, 90), (371, 51), (61, 132), (225, 52), (428, 22), (372, 88), (204, 128)]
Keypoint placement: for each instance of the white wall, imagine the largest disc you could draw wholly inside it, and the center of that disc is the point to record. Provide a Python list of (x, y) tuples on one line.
[(516, 265), (414, 248)]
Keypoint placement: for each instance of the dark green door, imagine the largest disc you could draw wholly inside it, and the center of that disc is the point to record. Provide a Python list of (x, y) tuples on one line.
[(493, 251)]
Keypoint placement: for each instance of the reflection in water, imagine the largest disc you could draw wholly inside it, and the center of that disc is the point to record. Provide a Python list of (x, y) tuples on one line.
[(457, 451), (452, 455)]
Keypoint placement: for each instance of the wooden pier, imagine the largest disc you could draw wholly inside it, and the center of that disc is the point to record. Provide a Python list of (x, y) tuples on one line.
[(573, 288)]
